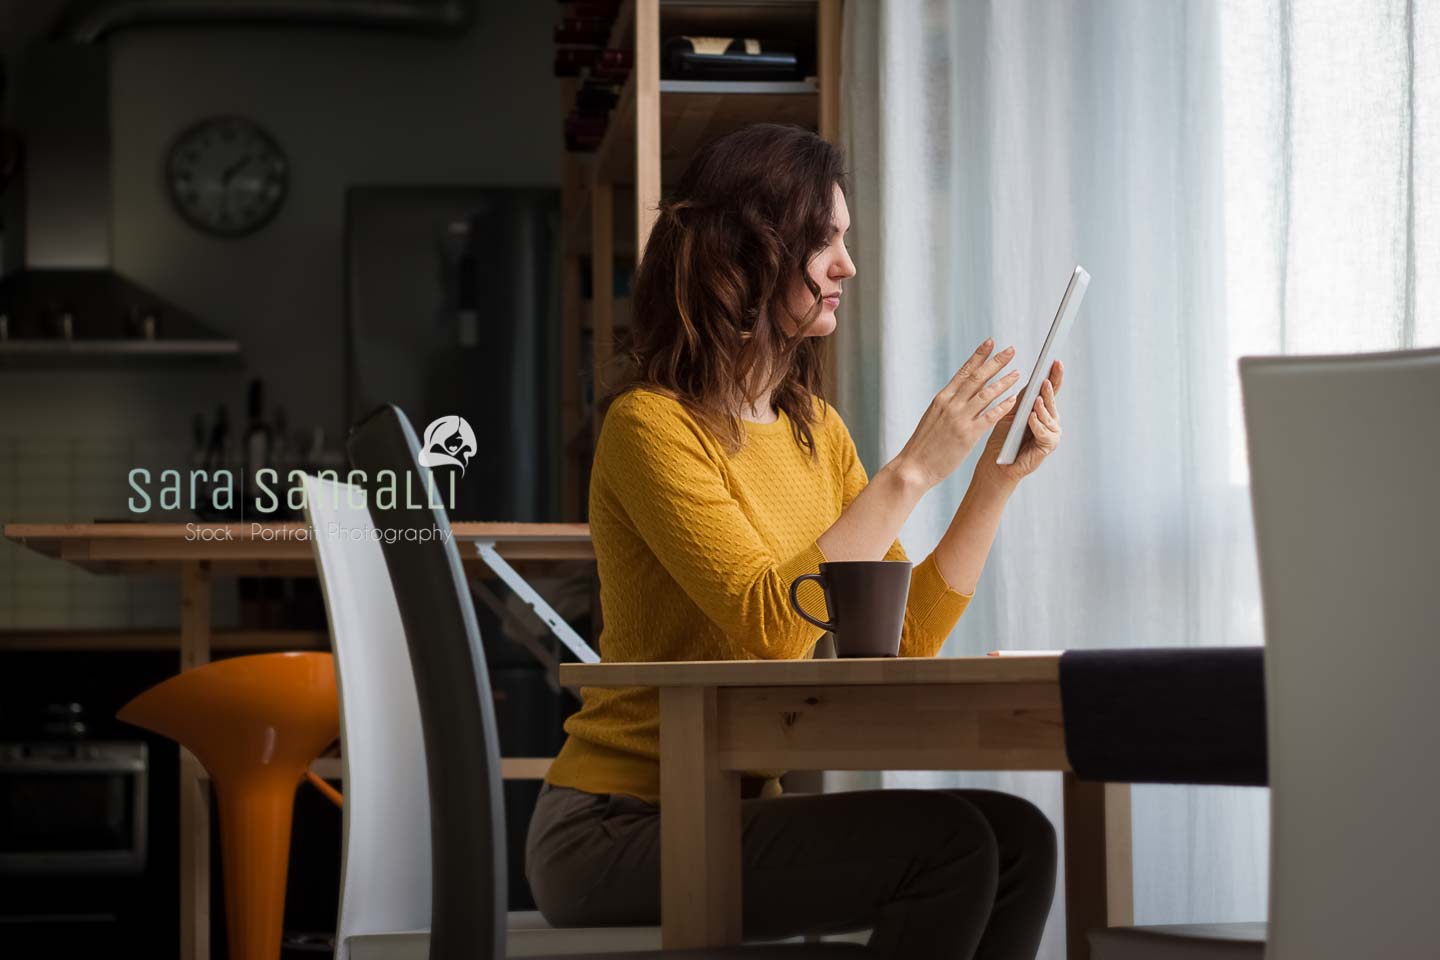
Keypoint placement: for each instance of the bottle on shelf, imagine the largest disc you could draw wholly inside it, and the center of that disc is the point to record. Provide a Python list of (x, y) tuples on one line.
[(198, 450), (281, 454), (257, 443)]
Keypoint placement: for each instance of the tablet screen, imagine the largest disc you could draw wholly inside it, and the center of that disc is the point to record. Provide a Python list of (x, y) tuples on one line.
[(1069, 306)]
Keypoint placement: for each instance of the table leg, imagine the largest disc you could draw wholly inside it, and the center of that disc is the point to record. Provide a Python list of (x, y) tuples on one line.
[(1099, 877), (194, 786), (699, 826)]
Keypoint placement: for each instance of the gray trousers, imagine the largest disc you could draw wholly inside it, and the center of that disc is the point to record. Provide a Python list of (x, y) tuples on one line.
[(935, 873)]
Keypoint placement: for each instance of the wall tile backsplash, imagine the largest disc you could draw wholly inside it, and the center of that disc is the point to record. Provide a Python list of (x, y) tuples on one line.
[(82, 478)]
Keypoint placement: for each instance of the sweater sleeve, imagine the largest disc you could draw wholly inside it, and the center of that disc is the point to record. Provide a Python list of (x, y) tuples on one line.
[(933, 607), (661, 472)]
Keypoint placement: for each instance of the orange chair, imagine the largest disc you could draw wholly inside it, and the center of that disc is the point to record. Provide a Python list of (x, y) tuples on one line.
[(255, 723)]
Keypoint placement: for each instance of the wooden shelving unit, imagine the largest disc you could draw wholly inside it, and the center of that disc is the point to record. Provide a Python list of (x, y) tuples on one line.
[(610, 196)]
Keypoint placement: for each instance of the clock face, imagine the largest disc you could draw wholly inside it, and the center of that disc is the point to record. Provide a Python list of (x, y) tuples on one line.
[(226, 176)]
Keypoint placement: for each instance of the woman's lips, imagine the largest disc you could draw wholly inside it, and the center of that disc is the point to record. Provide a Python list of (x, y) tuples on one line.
[(832, 301)]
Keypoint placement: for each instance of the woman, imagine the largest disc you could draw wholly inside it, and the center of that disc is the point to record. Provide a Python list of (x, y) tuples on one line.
[(719, 477)]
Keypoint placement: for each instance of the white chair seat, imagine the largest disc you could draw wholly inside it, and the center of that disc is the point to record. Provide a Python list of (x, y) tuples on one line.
[(531, 936), (1180, 941), (405, 945), (528, 936)]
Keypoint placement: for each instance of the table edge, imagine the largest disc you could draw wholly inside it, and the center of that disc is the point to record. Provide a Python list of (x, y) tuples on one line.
[(825, 672)]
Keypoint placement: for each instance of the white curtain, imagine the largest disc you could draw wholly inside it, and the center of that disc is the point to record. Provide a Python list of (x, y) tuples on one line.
[(1238, 178)]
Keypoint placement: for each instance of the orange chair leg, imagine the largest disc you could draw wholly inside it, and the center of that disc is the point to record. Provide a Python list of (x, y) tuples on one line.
[(255, 819), (326, 791)]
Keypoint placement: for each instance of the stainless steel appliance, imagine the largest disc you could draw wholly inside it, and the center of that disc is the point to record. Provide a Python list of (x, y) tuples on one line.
[(451, 309), (89, 852), (73, 807)]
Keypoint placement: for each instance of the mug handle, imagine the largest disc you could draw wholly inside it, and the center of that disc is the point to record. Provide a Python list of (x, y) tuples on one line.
[(795, 603)]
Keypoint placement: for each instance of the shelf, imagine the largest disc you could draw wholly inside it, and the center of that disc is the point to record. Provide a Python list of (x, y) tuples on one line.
[(105, 309), (114, 353), (221, 641), (694, 112), (738, 87), (786, 23)]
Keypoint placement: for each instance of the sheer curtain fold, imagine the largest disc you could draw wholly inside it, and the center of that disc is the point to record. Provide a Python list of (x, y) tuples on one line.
[(1238, 177)]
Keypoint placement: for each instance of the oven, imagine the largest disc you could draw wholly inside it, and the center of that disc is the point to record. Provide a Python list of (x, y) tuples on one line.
[(73, 807), (89, 849)]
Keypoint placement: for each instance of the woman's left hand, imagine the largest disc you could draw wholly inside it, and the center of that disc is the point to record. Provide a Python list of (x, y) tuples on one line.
[(1040, 441)]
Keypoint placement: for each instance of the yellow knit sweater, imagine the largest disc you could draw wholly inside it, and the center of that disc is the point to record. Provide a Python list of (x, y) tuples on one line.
[(696, 551)]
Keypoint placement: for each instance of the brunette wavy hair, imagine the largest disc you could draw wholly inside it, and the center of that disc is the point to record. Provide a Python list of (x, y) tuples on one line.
[(748, 215)]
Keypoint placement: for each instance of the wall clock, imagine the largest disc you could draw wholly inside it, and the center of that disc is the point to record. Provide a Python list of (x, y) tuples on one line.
[(226, 176)]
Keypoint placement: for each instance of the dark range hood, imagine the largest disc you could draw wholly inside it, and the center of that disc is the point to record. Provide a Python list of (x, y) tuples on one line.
[(91, 314), (60, 301)]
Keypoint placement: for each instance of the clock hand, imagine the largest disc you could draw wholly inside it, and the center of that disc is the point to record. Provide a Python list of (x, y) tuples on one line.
[(233, 169)]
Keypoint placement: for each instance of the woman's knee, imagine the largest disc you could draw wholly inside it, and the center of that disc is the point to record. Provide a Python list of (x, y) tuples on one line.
[(948, 828), (560, 856), (554, 888), (1021, 828)]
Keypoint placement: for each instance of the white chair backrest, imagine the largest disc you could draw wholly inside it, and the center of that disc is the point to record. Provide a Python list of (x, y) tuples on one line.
[(385, 865), (1345, 484)]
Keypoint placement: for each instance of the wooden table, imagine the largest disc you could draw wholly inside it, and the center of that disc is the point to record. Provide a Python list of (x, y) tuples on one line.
[(970, 713), (196, 553)]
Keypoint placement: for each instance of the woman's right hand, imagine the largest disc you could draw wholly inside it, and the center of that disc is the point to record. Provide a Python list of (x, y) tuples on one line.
[(957, 419)]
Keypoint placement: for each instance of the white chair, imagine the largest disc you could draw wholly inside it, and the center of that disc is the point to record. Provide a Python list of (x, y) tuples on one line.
[(385, 887), (1345, 482), (457, 708), (1345, 485)]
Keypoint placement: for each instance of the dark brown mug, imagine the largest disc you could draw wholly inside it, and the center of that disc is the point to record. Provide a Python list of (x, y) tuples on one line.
[(866, 603)]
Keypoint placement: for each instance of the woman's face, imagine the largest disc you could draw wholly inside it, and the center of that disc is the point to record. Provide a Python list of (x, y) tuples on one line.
[(828, 269)]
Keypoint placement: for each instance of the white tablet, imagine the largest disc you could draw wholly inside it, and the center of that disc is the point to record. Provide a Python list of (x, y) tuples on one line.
[(1069, 306)]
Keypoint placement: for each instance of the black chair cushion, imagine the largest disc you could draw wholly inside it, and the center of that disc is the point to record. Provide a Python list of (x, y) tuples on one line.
[(1166, 715)]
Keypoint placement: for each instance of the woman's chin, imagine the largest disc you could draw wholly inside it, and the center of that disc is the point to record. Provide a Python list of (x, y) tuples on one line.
[(823, 326)]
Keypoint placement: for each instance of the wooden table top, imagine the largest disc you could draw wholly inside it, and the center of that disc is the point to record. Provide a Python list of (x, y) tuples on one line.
[(802, 673), (256, 548)]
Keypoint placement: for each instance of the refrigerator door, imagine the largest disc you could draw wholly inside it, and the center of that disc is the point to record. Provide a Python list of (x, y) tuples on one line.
[(452, 311)]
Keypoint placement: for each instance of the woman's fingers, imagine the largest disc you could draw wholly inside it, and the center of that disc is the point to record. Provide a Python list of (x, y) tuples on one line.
[(994, 390), (971, 364), (1046, 414), (1039, 435), (1044, 432), (996, 413), (1043, 420), (991, 367)]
